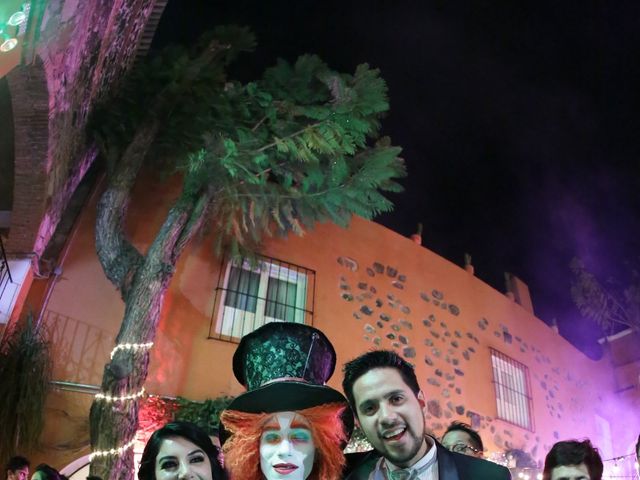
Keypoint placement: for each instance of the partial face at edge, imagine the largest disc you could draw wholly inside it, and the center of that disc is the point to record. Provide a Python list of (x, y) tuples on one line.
[(570, 472), (287, 449), (20, 474), (460, 442)]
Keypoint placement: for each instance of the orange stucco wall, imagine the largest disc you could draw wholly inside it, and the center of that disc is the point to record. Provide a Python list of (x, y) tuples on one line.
[(442, 318)]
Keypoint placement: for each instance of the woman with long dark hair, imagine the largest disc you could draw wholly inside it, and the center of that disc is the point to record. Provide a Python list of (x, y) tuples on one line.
[(180, 450)]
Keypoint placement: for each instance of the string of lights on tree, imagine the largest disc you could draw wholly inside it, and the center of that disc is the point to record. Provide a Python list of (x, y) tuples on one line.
[(104, 397)]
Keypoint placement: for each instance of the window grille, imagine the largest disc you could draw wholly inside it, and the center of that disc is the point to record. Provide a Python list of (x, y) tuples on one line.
[(513, 390), (252, 293)]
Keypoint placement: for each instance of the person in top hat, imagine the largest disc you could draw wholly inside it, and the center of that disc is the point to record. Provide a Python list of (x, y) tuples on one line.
[(288, 424)]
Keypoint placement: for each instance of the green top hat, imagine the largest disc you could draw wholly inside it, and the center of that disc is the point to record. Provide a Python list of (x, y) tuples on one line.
[(284, 367)]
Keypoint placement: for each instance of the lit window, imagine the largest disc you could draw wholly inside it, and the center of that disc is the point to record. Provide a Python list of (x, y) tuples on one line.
[(252, 294), (513, 394)]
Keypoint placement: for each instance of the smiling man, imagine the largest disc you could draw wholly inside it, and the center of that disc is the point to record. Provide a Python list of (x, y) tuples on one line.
[(573, 460), (383, 391)]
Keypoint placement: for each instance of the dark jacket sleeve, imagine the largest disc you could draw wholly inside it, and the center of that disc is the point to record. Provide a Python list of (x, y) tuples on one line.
[(359, 465), (470, 468), (464, 467)]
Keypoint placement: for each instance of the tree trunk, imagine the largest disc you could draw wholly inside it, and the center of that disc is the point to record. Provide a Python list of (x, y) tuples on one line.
[(114, 424)]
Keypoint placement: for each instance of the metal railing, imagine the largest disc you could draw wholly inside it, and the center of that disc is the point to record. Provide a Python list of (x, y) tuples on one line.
[(80, 348), (252, 293)]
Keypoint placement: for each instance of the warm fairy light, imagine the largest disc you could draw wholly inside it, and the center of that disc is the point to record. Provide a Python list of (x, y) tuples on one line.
[(17, 18), (122, 398), (113, 451), (131, 346), (8, 44), (135, 347), (539, 476)]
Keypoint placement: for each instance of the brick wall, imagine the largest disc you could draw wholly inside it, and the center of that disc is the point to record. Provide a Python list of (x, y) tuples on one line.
[(30, 102), (84, 49)]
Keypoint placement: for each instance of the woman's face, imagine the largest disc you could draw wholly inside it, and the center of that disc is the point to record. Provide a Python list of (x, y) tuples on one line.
[(287, 449), (179, 458)]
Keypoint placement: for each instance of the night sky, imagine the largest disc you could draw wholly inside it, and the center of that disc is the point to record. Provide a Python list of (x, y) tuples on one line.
[(518, 123)]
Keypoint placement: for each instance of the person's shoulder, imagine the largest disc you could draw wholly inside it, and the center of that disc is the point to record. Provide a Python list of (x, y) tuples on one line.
[(481, 468), (360, 464)]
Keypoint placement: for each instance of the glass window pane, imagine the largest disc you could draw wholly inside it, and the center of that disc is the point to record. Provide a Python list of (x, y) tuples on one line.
[(242, 289), (281, 300)]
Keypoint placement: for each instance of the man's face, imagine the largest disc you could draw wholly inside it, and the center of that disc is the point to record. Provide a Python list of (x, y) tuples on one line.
[(570, 472), (20, 474), (391, 415), (460, 442)]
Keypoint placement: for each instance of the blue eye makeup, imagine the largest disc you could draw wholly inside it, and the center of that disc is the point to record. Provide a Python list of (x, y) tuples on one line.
[(300, 435), (271, 437)]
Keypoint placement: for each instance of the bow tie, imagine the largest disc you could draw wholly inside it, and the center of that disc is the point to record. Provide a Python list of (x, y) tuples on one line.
[(401, 474)]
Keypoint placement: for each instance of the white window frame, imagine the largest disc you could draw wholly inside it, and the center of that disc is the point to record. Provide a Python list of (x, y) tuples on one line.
[(236, 322), (512, 390)]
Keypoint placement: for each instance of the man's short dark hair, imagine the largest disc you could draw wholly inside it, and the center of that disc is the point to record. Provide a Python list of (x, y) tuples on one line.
[(476, 440), (357, 367), (573, 452), (16, 463)]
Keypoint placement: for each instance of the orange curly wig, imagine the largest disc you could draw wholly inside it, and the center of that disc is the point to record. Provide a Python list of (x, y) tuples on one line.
[(242, 450)]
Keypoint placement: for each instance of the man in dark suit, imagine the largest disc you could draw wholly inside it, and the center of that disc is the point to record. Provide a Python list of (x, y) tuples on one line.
[(383, 391)]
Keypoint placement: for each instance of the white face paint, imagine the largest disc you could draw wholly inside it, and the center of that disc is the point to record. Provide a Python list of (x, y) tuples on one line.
[(287, 449)]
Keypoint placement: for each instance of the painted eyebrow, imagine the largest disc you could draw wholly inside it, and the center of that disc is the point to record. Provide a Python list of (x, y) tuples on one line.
[(299, 424), (271, 425)]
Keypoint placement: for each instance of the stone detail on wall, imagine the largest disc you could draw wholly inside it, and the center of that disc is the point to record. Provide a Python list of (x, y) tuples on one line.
[(434, 330)]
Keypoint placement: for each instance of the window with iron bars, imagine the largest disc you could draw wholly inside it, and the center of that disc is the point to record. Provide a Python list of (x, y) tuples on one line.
[(252, 293), (513, 390)]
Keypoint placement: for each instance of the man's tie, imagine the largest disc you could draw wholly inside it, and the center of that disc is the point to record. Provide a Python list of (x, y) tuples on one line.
[(400, 474)]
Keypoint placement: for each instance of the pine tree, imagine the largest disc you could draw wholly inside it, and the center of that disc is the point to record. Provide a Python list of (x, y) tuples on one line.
[(296, 147), (609, 306)]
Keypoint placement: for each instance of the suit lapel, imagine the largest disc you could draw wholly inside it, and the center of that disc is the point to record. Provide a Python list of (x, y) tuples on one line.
[(447, 469)]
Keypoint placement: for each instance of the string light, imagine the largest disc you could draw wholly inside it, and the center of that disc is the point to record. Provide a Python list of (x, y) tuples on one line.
[(114, 451), (122, 398), (134, 347), (131, 346)]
